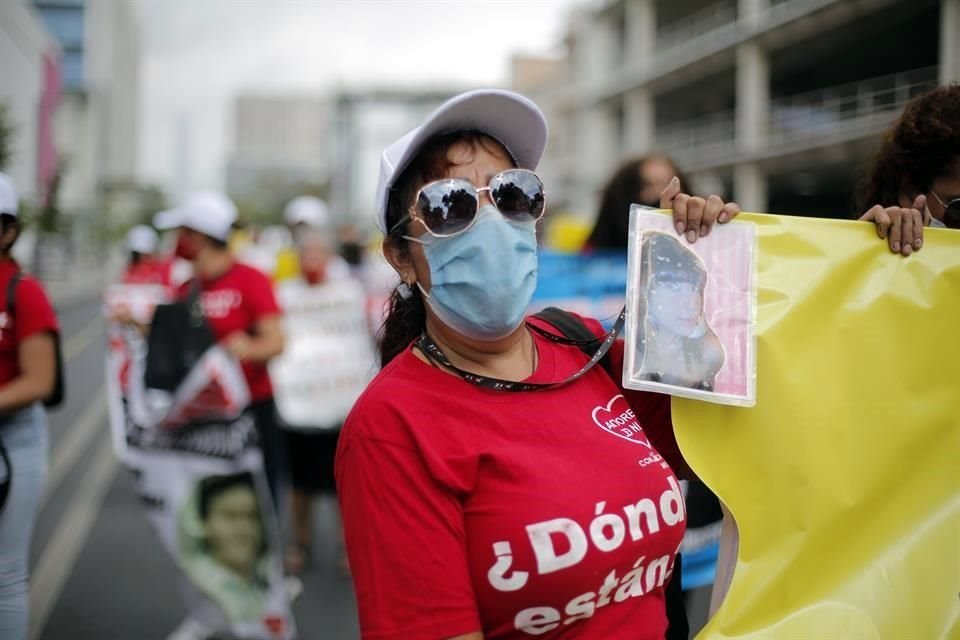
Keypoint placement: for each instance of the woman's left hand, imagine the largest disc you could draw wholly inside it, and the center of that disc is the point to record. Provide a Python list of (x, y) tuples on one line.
[(694, 217)]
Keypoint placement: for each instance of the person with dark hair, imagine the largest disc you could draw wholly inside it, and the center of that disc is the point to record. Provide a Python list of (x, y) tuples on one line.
[(233, 528), (28, 364), (493, 482), (238, 303), (637, 181), (914, 180), (678, 346), (222, 544)]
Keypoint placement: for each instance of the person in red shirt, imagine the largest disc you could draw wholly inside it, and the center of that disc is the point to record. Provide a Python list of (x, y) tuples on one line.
[(28, 330), (144, 267), (492, 484), (238, 303)]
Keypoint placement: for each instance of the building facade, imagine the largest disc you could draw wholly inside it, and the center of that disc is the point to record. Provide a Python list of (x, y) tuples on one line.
[(365, 123), (98, 122), (29, 91), (778, 103), (279, 142)]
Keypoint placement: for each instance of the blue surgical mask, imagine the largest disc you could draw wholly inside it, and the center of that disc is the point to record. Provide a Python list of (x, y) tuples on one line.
[(482, 280)]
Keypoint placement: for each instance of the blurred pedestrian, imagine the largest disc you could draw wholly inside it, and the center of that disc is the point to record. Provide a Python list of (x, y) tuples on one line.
[(144, 266), (483, 473), (637, 181), (311, 448), (238, 303), (914, 179), (28, 376)]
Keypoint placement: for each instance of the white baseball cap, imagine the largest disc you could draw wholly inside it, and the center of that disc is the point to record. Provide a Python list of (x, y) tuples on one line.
[(209, 212), (307, 210), (142, 239), (9, 203), (513, 120)]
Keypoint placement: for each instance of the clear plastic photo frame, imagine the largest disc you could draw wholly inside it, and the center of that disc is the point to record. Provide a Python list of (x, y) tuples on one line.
[(691, 310)]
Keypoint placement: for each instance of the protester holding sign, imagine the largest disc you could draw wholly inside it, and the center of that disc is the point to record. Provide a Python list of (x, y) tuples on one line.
[(329, 360), (28, 377), (238, 304), (914, 180), (494, 483)]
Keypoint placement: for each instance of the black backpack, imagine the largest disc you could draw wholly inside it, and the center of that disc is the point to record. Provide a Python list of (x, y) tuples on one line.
[(572, 327), (56, 397)]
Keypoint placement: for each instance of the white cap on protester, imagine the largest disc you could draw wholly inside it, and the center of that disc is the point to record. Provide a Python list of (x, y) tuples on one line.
[(307, 210), (515, 121), (142, 239), (9, 202), (209, 212)]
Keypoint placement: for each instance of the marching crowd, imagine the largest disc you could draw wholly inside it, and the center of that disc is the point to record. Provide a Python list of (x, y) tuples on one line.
[(454, 495)]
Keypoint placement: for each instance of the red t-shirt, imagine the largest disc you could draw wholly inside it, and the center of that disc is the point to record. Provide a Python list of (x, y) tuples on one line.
[(148, 271), (237, 301), (32, 315), (545, 513)]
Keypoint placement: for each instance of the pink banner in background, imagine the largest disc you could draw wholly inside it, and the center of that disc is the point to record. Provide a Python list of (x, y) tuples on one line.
[(46, 147)]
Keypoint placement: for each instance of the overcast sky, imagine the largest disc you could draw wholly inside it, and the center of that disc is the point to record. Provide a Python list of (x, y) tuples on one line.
[(198, 54)]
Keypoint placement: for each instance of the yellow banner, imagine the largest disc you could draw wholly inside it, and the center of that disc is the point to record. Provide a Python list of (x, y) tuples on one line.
[(845, 477)]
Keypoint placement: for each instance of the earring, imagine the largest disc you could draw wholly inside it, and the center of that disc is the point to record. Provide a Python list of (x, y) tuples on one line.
[(404, 291)]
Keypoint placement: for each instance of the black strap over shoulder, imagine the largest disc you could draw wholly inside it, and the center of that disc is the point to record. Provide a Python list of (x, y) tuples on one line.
[(578, 333), (12, 293)]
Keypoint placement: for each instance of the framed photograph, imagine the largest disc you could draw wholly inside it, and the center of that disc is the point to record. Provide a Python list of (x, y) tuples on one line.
[(691, 310)]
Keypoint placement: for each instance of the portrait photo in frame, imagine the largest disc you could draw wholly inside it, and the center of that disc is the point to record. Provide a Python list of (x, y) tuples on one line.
[(691, 310)]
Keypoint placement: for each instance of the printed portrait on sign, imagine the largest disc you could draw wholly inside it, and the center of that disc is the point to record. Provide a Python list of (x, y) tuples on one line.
[(676, 345), (691, 311), (223, 545)]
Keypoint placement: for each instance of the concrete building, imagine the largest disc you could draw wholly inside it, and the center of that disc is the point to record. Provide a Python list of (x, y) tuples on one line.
[(97, 127), (365, 123), (779, 103), (279, 142), (29, 89)]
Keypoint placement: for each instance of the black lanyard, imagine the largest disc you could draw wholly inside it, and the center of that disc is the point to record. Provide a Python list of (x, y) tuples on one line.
[(435, 355)]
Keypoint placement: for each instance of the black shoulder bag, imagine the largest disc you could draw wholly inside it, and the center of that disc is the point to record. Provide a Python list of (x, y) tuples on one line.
[(179, 336), (570, 326)]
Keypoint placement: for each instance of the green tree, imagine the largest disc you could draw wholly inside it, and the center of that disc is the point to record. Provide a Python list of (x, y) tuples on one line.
[(7, 129)]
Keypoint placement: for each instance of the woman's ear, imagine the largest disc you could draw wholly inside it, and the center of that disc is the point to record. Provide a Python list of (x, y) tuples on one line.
[(398, 255)]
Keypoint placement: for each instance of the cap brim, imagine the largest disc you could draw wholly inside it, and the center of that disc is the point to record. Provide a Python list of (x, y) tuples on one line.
[(515, 121)]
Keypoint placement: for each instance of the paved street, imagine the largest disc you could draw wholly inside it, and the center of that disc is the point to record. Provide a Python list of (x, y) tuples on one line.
[(99, 572)]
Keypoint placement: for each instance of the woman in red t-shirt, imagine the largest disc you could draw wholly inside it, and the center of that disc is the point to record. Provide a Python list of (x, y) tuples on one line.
[(239, 305), (479, 499), (28, 329)]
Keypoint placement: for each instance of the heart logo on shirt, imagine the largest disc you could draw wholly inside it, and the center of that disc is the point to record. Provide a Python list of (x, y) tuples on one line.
[(617, 418)]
